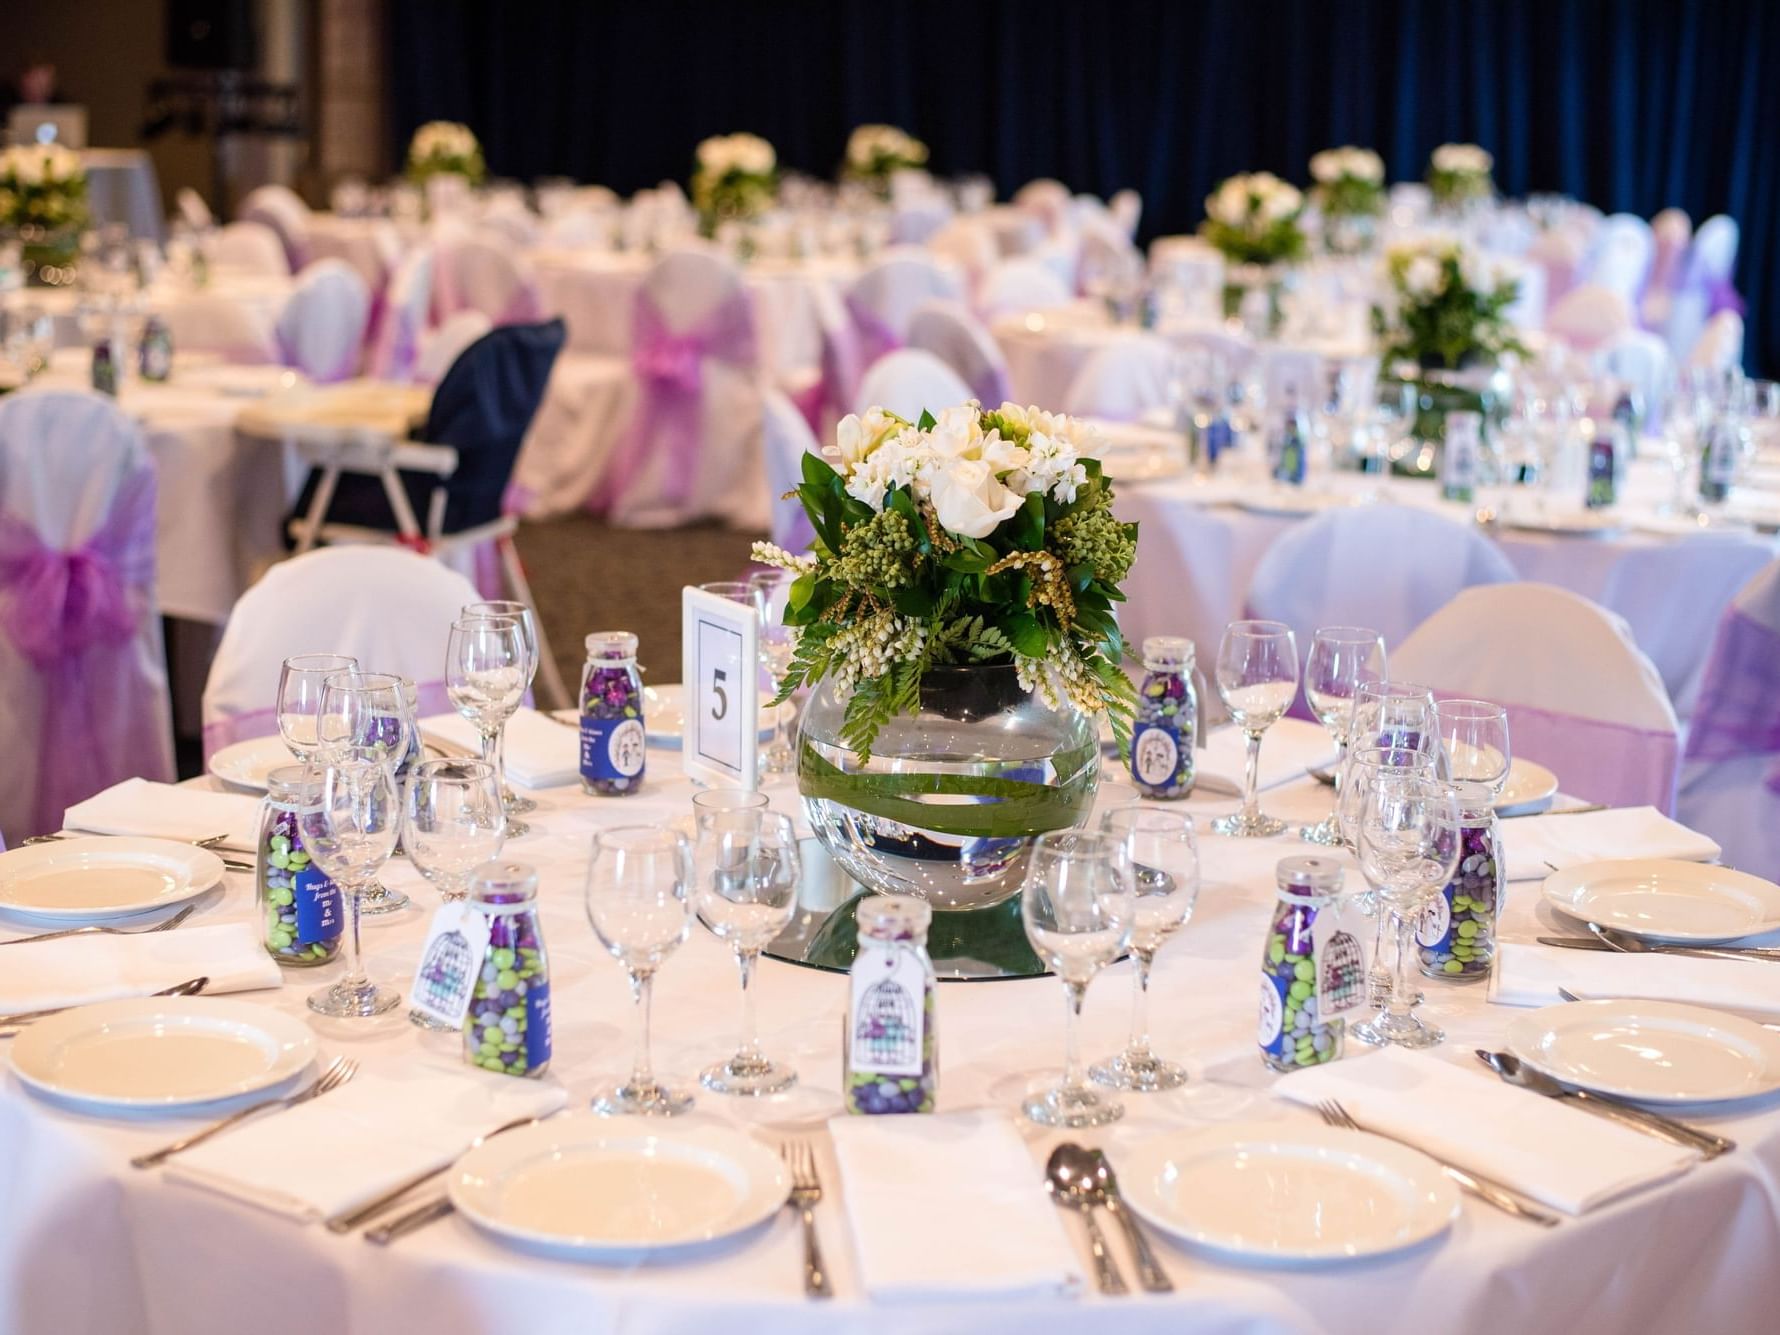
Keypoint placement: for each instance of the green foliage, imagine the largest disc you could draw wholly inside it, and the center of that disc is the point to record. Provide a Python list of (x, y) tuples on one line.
[(1448, 323), (1276, 243), (1350, 197)]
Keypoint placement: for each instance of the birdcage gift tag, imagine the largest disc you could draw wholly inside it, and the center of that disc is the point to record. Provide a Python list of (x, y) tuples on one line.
[(1338, 954), (887, 1011), (450, 961)]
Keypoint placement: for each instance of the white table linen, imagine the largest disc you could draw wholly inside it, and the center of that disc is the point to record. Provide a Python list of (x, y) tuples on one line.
[(78, 970), (168, 811), (1560, 840), (1531, 975)]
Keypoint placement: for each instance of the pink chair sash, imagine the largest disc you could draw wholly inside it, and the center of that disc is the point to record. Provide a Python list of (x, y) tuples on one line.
[(73, 617), (875, 336), (1739, 710), (670, 372)]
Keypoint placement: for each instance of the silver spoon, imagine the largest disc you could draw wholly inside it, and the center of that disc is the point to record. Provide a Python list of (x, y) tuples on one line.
[(1075, 1188), (1096, 1169)]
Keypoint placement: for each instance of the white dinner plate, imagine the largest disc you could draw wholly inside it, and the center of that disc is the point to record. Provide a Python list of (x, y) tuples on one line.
[(1575, 523), (246, 764), (664, 716), (1529, 787), (593, 1189), (160, 1054), (97, 878), (1283, 1194), (1667, 900), (1649, 1051)]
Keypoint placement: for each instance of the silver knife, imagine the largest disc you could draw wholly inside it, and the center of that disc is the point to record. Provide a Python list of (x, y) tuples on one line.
[(1516, 1072), (1575, 943), (402, 1225)]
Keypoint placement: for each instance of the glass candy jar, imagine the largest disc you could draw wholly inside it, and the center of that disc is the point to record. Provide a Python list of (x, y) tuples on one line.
[(1167, 725), (891, 1049), (302, 916), (1457, 934), (613, 743), (1297, 978), (507, 1028)]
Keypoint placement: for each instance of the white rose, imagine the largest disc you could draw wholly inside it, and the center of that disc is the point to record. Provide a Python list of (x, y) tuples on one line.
[(1365, 165), (969, 500), (1280, 201), (1421, 276), (856, 436), (1230, 204)]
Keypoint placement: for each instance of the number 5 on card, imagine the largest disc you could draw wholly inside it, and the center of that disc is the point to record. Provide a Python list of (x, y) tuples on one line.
[(720, 672)]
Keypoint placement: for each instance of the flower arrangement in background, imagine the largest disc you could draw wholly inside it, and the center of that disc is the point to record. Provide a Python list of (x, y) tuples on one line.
[(733, 176), (875, 153), (1446, 307), (1253, 219), (445, 148), (1349, 182), (43, 191), (1459, 174), (980, 536)]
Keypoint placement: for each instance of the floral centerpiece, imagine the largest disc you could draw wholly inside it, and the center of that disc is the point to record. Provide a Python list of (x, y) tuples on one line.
[(1349, 193), (43, 203), (445, 148), (955, 621), (1459, 174), (733, 176), (875, 153), (1252, 220)]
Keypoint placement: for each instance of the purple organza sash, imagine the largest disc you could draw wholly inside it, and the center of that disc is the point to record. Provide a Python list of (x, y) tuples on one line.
[(670, 373), (72, 616), (875, 337), (1721, 295), (1739, 710)]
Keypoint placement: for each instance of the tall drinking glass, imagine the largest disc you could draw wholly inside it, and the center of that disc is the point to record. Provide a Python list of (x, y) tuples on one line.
[(1342, 659), (528, 623), (454, 821), (485, 676), (350, 832), (299, 697), (369, 716), (772, 590), (1257, 675), (1364, 765)]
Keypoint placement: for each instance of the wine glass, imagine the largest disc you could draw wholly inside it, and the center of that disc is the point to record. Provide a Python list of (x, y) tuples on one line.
[(1164, 858), (1364, 765), (772, 590), (370, 716), (1342, 658), (1257, 676), (506, 607), (1395, 714), (485, 675), (300, 680), (455, 822), (637, 883), (1409, 849), (1078, 907), (351, 832), (747, 867), (1473, 738)]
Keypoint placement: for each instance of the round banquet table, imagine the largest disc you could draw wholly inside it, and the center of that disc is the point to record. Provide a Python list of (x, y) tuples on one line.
[(88, 1244)]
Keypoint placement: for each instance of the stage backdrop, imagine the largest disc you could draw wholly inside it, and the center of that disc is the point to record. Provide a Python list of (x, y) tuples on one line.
[(1630, 104)]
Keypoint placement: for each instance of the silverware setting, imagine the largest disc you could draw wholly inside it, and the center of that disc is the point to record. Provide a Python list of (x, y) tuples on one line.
[(348, 1220), (214, 843), (1627, 944), (1503, 1197), (165, 925), (404, 1224), (11, 1024), (1516, 1072), (338, 1073), (1562, 811), (806, 1194), (1087, 1177), (1568, 995), (1072, 1190)]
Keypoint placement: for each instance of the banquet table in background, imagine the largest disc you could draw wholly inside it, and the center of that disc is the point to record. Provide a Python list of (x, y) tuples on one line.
[(88, 1244)]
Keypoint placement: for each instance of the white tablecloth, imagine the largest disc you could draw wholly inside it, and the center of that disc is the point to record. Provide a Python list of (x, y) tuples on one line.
[(88, 1244)]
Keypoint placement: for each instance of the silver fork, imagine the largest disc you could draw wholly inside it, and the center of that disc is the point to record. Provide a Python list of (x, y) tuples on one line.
[(1487, 1189), (208, 841), (338, 1073), (9, 1024), (163, 926), (806, 1192)]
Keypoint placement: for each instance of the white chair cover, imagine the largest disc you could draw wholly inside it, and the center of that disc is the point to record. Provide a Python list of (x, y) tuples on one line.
[(211, 322), (1720, 345), (249, 248), (1672, 230), (1351, 567), (193, 211), (1588, 316), (1126, 207), (1122, 381), (1622, 257), (786, 438), (969, 243), (391, 609), (1105, 250), (1014, 287), (1581, 698), (1704, 284), (909, 382), (321, 330), (83, 685), (1047, 200), (442, 346), (882, 300), (949, 331), (407, 311), (283, 210), (1559, 252), (474, 273), (1639, 358)]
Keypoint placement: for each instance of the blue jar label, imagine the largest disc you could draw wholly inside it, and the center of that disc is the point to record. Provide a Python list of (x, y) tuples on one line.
[(317, 901), (1288, 459), (612, 748), (1155, 755), (537, 1025), (1218, 437)]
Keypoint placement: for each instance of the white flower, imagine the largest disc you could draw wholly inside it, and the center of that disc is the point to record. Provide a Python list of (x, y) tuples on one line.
[(1281, 201), (969, 500), (870, 143), (1421, 276), (1337, 164), (1254, 201), (857, 436), (746, 153), (442, 141), (1462, 160)]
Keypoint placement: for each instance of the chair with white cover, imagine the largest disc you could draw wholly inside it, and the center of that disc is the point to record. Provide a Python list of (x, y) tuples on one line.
[(1045, 199), (950, 332), (1585, 317), (1730, 774), (1641, 360), (1720, 344), (1560, 252), (1386, 566), (247, 248), (1624, 250), (1015, 287), (1582, 699), (1672, 230), (214, 323), (1122, 381), (786, 438), (83, 684), (909, 382), (1126, 207), (1705, 287), (882, 300), (390, 609), (472, 272), (321, 330), (407, 313), (969, 243), (283, 210), (193, 211)]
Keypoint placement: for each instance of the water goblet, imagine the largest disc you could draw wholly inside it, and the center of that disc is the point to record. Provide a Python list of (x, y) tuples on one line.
[(772, 591), (747, 866), (370, 716), (1342, 658), (1078, 906), (1364, 765), (1257, 676), (351, 832), (300, 681), (636, 897), (1395, 714), (516, 803), (455, 821), (1164, 859), (1473, 737), (485, 675)]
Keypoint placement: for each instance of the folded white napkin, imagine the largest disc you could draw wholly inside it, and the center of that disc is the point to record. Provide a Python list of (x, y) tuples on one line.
[(168, 811), (1288, 749), (78, 970), (1570, 1159), (540, 753), (350, 1146), (1530, 975), (1590, 836), (949, 1206)]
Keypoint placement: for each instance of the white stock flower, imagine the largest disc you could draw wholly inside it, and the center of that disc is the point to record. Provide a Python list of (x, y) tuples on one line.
[(969, 500), (857, 435)]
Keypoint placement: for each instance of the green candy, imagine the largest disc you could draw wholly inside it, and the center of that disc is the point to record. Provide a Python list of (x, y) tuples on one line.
[(503, 960), (1467, 929), (1304, 971), (1276, 952), (1300, 989), (1454, 966)]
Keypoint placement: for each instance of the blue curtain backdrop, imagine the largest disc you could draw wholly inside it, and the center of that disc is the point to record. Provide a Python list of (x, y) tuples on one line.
[(1630, 104)]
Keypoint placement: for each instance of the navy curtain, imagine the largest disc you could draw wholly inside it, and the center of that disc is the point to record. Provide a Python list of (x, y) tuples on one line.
[(1633, 105)]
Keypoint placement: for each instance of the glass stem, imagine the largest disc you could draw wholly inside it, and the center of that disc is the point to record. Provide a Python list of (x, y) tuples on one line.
[(354, 979), (642, 1071), (500, 762), (1402, 1001), (1251, 779), (1140, 1002), (750, 1047), (1379, 976), (1073, 1078)]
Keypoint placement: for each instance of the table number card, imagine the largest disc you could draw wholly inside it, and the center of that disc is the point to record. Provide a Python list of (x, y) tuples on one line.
[(720, 669), (450, 959)]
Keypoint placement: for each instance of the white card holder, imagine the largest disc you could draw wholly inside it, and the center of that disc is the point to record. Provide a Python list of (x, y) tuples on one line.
[(720, 669)]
